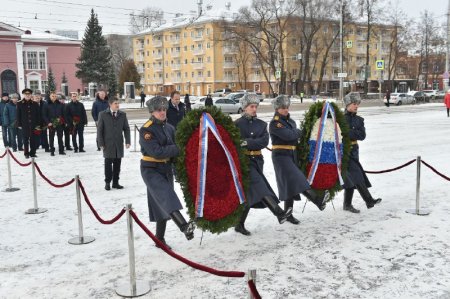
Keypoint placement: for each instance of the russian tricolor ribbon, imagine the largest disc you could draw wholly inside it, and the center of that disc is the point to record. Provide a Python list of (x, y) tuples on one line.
[(327, 108), (207, 124)]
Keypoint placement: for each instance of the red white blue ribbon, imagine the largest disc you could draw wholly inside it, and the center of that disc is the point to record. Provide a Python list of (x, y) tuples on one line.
[(207, 124), (327, 108)]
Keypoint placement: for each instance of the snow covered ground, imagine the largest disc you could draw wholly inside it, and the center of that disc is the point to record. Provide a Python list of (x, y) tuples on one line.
[(379, 253)]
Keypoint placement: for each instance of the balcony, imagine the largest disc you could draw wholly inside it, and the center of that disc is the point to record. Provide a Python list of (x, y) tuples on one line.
[(176, 80), (140, 69), (199, 78), (229, 79), (198, 65), (229, 50), (175, 54), (140, 47), (157, 56), (199, 52), (229, 65), (176, 66), (140, 58), (157, 81), (157, 43), (255, 78), (158, 68), (175, 41), (197, 38)]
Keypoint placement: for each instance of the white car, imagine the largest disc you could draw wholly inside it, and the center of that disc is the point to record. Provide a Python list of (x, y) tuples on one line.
[(400, 99), (431, 93), (225, 104)]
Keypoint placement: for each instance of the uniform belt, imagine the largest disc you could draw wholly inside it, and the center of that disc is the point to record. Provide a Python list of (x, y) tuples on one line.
[(252, 153), (151, 159), (285, 147), (354, 142)]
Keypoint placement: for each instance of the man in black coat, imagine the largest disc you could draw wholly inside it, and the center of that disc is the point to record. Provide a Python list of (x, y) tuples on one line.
[(66, 129), (254, 138), (290, 179), (176, 110), (209, 101), (76, 120), (29, 120), (42, 139), (142, 99), (356, 177), (54, 119)]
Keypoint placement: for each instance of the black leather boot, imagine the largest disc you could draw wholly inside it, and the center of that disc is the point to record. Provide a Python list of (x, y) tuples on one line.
[(240, 227), (289, 204), (365, 194), (276, 210), (185, 227), (161, 231), (348, 196), (319, 201)]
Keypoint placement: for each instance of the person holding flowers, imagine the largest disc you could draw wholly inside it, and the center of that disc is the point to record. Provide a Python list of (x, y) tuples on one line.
[(54, 119), (76, 120)]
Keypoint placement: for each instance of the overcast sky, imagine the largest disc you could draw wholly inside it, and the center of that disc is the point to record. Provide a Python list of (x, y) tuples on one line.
[(114, 14)]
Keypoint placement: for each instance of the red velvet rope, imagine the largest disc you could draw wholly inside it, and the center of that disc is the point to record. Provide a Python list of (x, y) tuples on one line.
[(50, 182), (392, 169), (183, 259), (253, 290), (117, 217), (17, 161), (435, 171), (4, 154)]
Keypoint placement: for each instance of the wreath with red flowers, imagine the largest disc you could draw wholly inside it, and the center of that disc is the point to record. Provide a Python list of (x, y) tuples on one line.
[(327, 177), (222, 209)]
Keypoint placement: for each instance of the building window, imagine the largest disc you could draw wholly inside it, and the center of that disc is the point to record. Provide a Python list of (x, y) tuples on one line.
[(42, 62), (208, 59), (207, 31), (34, 84), (208, 46), (44, 85), (294, 72), (32, 60), (209, 74)]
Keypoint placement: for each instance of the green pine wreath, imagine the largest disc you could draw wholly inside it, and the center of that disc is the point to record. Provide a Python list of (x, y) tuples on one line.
[(184, 131), (311, 116)]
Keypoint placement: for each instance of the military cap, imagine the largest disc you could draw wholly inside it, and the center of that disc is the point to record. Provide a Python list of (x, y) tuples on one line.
[(281, 101), (27, 90), (5, 94), (14, 96), (248, 99), (352, 97), (157, 103)]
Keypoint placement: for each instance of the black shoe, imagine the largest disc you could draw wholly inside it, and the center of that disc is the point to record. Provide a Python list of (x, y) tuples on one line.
[(21, 149), (14, 150), (47, 150), (82, 151), (164, 242), (98, 149), (282, 218), (52, 154), (107, 186), (62, 153), (351, 209), (293, 220), (75, 150), (117, 186), (27, 156), (68, 148), (373, 202), (240, 228), (33, 156)]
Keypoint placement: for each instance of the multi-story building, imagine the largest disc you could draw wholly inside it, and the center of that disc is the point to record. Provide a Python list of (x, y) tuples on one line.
[(198, 57), (26, 56)]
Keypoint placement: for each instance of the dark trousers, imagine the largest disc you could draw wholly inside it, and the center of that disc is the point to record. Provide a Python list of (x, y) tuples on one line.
[(15, 138), (448, 112), (112, 170), (78, 130), (59, 133), (30, 144), (5, 133), (66, 131), (44, 139), (142, 103)]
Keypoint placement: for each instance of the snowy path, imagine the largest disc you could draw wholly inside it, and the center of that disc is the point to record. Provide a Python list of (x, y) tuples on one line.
[(380, 253)]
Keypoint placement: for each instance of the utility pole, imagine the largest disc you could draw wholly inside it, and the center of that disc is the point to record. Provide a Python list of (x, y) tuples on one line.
[(448, 48), (341, 52)]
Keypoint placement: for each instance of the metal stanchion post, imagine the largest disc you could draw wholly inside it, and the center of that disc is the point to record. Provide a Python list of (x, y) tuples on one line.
[(251, 276), (35, 210), (81, 239), (417, 210), (135, 138), (8, 161), (134, 288)]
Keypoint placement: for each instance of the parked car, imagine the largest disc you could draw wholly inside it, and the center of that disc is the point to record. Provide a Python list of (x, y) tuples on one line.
[(419, 96), (235, 96), (400, 99), (221, 92), (225, 104), (440, 95), (431, 93)]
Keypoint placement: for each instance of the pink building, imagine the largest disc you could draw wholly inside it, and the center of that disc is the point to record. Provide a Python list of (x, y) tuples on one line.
[(26, 56)]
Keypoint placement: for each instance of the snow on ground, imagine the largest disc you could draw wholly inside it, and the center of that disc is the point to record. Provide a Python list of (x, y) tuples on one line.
[(379, 253)]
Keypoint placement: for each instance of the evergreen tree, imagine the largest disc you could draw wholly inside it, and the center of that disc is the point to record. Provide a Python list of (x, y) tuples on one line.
[(129, 73), (64, 78), (51, 84), (112, 81), (94, 61)]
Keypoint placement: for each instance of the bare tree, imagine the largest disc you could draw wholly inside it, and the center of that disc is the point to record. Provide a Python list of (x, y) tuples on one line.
[(149, 17), (121, 50)]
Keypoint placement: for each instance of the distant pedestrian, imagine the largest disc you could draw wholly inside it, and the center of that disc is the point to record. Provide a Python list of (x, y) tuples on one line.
[(388, 97), (5, 133), (301, 97), (100, 104), (187, 102), (176, 110), (9, 119), (76, 119), (111, 127), (208, 101), (447, 102), (142, 99)]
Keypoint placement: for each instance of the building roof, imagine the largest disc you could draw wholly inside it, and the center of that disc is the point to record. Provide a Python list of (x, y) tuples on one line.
[(34, 35)]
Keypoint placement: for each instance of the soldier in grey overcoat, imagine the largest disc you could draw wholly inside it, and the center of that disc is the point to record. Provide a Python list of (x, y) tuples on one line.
[(157, 140), (356, 177), (290, 179), (112, 125), (255, 137)]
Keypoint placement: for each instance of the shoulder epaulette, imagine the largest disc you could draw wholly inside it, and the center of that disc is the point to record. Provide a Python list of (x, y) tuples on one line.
[(148, 124), (276, 117)]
